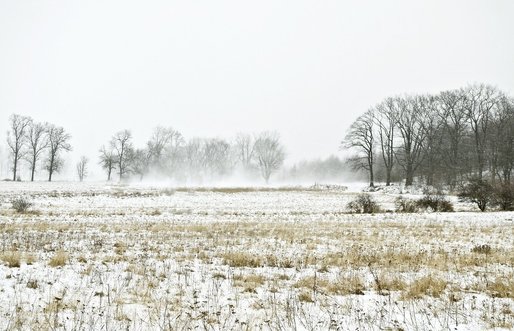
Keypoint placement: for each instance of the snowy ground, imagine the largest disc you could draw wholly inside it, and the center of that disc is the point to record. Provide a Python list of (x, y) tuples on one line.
[(140, 258)]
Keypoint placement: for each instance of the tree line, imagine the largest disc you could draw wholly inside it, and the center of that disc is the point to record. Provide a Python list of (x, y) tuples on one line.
[(446, 138), (168, 154)]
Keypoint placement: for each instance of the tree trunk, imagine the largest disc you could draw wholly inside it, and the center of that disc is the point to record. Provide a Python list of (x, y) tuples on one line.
[(51, 168), (409, 175), (33, 168), (388, 175), (371, 176), (15, 166)]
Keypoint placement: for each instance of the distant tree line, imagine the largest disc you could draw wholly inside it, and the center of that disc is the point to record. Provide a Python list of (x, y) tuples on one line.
[(168, 154), (447, 138)]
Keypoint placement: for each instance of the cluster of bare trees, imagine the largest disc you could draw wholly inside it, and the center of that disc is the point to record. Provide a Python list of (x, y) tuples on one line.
[(445, 138), (39, 144), (168, 153)]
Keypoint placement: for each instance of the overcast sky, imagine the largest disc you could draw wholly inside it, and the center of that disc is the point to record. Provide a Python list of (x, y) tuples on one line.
[(213, 68)]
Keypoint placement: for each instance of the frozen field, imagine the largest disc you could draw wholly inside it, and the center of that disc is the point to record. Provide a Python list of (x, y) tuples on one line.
[(136, 258)]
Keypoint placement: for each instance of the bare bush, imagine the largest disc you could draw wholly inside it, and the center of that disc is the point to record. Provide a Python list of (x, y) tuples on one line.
[(21, 204), (363, 204), (404, 205), (504, 196), (477, 191), (435, 201)]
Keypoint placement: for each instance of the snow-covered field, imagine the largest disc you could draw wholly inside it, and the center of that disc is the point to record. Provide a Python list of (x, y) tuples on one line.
[(97, 257)]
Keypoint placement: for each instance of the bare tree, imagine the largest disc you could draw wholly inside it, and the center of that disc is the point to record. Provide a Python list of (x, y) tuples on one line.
[(431, 124), (82, 168), (163, 147), (217, 157), (193, 158), (173, 153), (57, 143), (360, 138), (268, 153), (16, 139), (37, 139), (479, 102), (412, 113), (501, 144), (121, 144), (107, 160), (140, 162), (385, 118), (244, 146), (454, 130)]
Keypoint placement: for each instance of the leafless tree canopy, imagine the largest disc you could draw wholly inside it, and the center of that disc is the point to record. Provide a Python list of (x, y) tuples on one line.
[(16, 139), (445, 138), (268, 153), (361, 137), (82, 168), (58, 142), (107, 160), (244, 146), (37, 138), (121, 143)]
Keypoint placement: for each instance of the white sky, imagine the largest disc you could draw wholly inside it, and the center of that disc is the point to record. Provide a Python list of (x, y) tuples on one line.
[(213, 68)]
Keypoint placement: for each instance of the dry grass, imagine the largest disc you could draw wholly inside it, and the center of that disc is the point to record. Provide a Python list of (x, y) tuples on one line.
[(502, 287), (12, 259), (249, 282), (305, 296), (241, 259), (347, 284), (59, 259), (342, 285), (388, 282), (430, 285)]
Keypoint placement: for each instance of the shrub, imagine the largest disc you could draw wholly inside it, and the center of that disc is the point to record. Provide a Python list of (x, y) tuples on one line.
[(403, 205), (482, 249), (504, 196), (363, 204), (435, 203), (21, 204), (477, 191), (435, 200)]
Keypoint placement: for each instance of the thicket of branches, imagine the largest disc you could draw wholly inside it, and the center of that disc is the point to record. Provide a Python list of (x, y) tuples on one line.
[(447, 138)]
